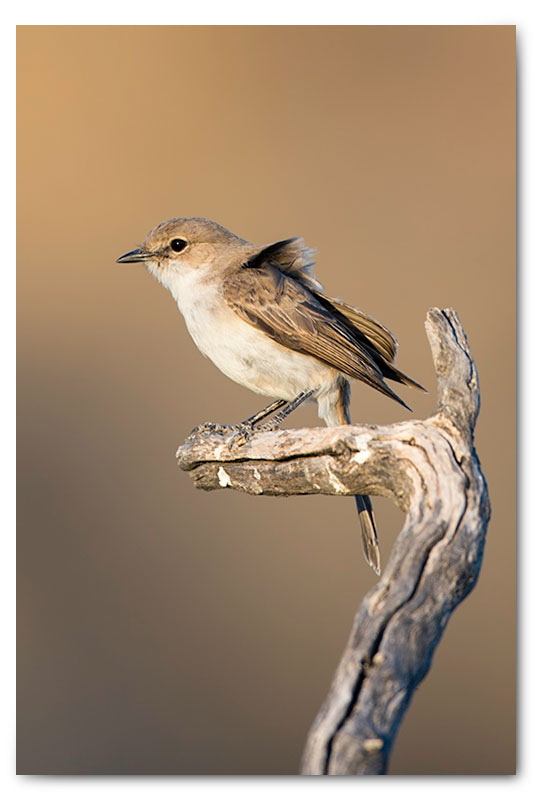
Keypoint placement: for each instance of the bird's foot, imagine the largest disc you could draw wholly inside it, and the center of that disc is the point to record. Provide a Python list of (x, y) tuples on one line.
[(244, 432), (240, 434), (211, 427), (267, 427)]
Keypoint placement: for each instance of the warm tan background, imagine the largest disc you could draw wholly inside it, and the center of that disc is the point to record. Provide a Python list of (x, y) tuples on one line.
[(162, 630)]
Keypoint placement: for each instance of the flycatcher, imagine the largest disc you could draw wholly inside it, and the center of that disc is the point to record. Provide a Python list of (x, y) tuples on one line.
[(263, 318)]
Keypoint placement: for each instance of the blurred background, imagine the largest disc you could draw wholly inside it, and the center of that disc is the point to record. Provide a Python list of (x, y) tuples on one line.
[(162, 629)]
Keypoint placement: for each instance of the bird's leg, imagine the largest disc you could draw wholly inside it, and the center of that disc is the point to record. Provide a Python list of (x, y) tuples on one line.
[(246, 430), (278, 418), (264, 413), (245, 427)]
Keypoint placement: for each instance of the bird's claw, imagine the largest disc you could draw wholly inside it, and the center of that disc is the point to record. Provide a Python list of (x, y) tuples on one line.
[(210, 427), (241, 433), (244, 432)]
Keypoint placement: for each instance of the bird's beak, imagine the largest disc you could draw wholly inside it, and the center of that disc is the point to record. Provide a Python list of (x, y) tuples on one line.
[(133, 255)]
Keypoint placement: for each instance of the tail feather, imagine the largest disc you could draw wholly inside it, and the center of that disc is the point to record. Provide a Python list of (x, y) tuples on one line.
[(338, 413), (369, 532)]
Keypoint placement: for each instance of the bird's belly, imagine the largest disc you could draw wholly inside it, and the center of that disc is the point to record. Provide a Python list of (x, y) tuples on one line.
[(251, 358)]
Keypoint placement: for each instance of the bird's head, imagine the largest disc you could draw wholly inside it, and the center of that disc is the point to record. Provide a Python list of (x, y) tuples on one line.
[(187, 244)]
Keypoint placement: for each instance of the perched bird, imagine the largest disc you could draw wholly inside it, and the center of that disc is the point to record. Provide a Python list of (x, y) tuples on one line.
[(262, 317)]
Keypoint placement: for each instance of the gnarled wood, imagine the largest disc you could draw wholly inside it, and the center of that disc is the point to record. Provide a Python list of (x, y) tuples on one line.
[(430, 470)]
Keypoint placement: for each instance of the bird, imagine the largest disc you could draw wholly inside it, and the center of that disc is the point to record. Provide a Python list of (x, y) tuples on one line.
[(259, 313)]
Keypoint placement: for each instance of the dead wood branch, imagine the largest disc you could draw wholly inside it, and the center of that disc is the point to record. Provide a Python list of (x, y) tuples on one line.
[(431, 471)]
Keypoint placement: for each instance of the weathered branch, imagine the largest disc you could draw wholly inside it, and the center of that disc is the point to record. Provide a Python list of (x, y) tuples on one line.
[(430, 470)]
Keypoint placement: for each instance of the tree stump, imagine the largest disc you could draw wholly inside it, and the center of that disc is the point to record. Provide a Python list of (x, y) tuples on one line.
[(430, 469)]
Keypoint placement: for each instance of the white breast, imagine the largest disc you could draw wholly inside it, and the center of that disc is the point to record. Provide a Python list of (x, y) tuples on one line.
[(240, 351)]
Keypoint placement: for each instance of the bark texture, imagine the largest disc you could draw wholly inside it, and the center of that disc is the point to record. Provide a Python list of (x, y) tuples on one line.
[(430, 469)]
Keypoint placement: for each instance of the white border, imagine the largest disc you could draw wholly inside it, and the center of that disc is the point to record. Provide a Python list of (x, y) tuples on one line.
[(274, 12), (452, 12)]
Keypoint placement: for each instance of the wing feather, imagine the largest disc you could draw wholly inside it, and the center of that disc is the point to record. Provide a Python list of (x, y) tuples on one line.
[(378, 334), (292, 257), (295, 259), (287, 311)]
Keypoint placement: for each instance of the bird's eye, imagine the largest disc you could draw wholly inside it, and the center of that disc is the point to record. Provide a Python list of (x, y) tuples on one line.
[(178, 245)]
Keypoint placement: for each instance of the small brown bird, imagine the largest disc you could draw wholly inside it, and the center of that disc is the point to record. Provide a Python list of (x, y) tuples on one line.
[(262, 317)]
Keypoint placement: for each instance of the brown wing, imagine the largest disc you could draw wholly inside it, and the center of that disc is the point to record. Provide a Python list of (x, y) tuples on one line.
[(378, 334), (295, 259), (285, 310), (292, 257), (372, 335)]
